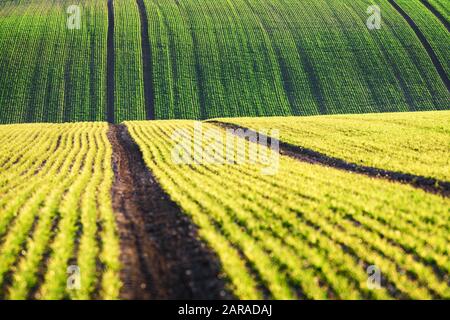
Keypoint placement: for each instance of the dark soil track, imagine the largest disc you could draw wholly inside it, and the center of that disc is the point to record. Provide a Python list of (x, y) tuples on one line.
[(161, 255), (307, 155)]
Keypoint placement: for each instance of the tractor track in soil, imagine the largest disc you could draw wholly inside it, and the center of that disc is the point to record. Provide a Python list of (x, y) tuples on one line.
[(430, 185), (161, 255)]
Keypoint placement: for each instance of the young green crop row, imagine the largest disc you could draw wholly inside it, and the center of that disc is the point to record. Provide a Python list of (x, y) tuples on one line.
[(307, 232), (129, 86), (49, 72), (55, 211), (416, 143)]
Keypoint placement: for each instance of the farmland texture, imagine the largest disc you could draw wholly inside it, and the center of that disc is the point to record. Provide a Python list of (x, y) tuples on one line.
[(416, 143), (55, 211), (284, 57), (441, 6), (307, 232), (200, 59), (48, 72), (436, 31)]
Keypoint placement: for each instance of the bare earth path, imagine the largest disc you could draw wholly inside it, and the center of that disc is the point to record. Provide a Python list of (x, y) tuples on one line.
[(162, 257)]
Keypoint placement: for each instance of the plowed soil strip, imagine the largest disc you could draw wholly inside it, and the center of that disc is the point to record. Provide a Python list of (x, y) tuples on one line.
[(307, 155), (162, 257), (424, 42), (146, 62), (110, 65)]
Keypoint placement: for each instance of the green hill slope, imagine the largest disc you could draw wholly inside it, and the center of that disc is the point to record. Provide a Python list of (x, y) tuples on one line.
[(48, 72), (220, 58)]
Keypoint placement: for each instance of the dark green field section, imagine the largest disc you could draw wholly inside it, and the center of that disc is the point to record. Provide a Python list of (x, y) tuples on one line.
[(49, 73), (441, 6), (433, 24), (199, 59)]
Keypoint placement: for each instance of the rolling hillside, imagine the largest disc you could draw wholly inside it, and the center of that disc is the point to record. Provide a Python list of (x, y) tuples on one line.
[(310, 231), (224, 149), (48, 72), (111, 201), (199, 59)]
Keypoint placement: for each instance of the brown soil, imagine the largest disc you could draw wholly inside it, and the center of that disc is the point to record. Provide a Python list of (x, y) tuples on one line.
[(307, 155), (162, 257)]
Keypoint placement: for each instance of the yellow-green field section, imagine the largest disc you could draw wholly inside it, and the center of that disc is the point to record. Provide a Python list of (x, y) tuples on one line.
[(55, 211), (412, 142), (307, 231)]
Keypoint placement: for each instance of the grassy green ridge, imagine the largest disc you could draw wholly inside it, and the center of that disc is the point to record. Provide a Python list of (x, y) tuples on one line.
[(56, 211), (218, 58), (416, 143), (300, 57), (308, 231), (432, 28), (442, 7), (51, 73), (129, 86)]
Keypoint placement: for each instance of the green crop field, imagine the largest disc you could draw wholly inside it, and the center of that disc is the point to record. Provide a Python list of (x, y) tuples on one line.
[(132, 164), (306, 232), (441, 6), (50, 73), (55, 211), (434, 30), (286, 233), (415, 143), (218, 58)]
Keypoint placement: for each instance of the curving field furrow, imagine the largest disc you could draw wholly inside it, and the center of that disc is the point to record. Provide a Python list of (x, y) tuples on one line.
[(414, 143), (431, 32), (224, 58)]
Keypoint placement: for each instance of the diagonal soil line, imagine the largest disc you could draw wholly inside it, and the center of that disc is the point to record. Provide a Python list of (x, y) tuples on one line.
[(161, 255), (425, 43), (146, 63), (438, 15), (307, 155), (110, 65)]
